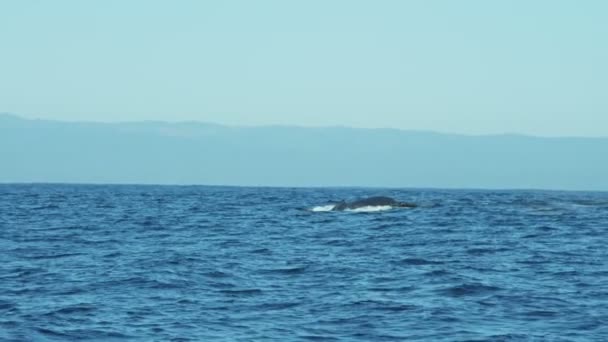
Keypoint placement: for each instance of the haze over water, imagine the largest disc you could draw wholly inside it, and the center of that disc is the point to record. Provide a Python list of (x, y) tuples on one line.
[(382, 98), (164, 263), (466, 67)]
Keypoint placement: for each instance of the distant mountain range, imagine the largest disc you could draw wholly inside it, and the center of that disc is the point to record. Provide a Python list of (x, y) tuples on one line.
[(201, 153)]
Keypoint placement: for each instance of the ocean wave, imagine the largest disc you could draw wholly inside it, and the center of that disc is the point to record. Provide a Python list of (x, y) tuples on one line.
[(269, 267), (370, 208), (328, 207), (366, 209)]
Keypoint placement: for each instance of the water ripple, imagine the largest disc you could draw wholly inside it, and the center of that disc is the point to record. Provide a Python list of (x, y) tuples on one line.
[(164, 263)]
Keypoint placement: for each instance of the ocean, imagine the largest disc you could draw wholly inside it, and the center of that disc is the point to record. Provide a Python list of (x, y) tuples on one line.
[(202, 263)]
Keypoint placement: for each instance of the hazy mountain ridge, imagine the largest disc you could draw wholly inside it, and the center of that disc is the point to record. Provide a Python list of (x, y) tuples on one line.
[(204, 153)]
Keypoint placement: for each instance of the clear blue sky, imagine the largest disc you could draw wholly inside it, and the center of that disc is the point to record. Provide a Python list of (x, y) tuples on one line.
[(478, 67)]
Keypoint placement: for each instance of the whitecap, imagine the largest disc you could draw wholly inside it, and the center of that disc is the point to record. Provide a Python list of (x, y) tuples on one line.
[(370, 208), (328, 207)]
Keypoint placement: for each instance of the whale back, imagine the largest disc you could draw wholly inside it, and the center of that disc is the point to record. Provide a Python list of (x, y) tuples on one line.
[(342, 205), (376, 201), (373, 202)]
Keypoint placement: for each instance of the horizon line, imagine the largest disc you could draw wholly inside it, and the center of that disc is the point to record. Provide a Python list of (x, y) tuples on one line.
[(472, 189), (299, 126)]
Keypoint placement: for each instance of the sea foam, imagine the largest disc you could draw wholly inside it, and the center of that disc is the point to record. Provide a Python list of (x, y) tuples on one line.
[(328, 207), (371, 208)]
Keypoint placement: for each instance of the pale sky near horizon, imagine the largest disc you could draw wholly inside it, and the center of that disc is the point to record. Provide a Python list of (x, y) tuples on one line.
[(474, 67)]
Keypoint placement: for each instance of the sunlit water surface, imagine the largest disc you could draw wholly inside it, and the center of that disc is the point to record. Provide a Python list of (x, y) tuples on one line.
[(162, 263)]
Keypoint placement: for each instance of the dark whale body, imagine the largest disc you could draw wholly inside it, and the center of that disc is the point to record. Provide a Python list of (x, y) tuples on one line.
[(372, 202)]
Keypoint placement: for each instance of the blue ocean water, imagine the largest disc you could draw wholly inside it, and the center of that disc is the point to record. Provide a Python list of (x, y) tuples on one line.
[(195, 263)]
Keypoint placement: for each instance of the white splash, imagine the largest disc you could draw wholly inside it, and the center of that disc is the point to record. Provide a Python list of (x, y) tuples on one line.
[(328, 207), (370, 208)]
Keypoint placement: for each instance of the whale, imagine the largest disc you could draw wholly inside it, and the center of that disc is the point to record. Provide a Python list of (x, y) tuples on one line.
[(376, 201)]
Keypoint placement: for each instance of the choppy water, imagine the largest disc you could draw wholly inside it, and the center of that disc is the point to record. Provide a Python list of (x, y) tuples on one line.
[(148, 263)]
